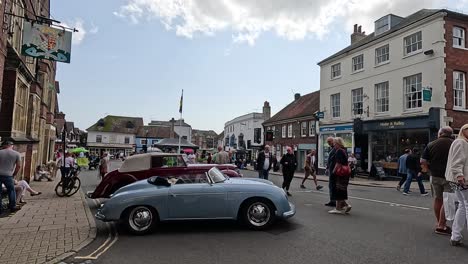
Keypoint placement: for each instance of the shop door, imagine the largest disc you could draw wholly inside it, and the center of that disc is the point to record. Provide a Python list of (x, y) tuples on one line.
[(361, 151)]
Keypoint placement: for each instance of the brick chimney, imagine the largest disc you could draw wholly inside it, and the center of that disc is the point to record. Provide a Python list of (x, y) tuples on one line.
[(172, 134), (266, 110), (357, 34), (60, 115), (297, 96)]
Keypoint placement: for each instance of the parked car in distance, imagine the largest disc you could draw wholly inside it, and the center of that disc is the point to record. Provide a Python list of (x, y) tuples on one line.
[(142, 166), (257, 203)]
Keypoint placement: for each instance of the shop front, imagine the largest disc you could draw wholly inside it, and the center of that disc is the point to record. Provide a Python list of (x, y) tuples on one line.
[(389, 138), (344, 131)]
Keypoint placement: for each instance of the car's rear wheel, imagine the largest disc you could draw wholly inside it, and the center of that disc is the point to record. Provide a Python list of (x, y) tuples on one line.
[(141, 220), (258, 214)]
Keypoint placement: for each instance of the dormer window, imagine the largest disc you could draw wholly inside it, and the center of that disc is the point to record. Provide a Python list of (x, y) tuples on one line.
[(382, 25), (130, 125), (101, 122)]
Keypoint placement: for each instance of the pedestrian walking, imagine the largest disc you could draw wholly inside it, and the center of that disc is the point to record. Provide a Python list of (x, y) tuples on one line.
[(413, 170), (104, 165), (402, 170), (434, 158), (310, 168), (10, 165), (264, 162), (222, 157), (331, 183), (340, 177), (289, 165), (457, 174)]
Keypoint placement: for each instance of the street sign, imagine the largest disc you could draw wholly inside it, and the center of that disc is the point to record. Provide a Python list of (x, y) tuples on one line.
[(320, 115), (427, 95)]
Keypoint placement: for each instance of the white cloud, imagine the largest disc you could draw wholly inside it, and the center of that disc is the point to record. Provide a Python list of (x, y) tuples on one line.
[(78, 37), (248, 19)]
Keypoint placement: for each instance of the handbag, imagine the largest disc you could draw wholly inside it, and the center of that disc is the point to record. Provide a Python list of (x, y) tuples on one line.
[(342, 170)]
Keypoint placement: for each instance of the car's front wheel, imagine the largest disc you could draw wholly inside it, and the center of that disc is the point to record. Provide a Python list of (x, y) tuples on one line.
[(258, 214), (140, 220)]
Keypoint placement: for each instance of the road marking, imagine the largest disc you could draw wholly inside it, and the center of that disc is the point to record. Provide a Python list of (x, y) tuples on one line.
[(110, 241), (373, 200)]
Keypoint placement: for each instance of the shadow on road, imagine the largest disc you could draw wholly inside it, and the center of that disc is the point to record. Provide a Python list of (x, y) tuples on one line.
[(211, 226)]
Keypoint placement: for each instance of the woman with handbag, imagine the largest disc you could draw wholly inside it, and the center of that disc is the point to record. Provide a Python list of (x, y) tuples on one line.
[(456, 174), (339, 177)]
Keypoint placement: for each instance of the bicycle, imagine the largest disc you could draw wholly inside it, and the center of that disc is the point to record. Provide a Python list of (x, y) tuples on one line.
[(69, 184)]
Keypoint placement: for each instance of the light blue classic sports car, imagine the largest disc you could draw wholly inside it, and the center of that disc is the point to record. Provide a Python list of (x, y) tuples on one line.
[(211, 195)]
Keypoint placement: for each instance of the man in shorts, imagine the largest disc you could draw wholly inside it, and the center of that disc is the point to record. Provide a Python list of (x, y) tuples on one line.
[(435, 158)]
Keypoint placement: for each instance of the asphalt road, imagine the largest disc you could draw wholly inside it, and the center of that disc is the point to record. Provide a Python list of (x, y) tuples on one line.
[(384, 227)]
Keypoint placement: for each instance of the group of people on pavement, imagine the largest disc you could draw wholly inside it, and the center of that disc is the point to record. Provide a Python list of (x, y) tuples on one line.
[(10, 165)]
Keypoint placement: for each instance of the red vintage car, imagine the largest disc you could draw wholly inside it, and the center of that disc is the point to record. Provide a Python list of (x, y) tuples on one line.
[(143, 166)]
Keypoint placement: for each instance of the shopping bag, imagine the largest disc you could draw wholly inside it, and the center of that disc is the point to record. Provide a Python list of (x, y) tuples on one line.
[(449, 205)]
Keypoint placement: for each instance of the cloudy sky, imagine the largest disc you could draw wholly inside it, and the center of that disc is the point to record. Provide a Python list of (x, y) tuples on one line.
[(133, 57)]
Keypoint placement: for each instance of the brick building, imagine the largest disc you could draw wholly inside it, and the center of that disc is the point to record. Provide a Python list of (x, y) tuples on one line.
[(28, 89), (294, 126)]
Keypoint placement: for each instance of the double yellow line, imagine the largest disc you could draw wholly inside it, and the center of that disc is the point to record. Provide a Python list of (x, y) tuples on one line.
[(110, 241)]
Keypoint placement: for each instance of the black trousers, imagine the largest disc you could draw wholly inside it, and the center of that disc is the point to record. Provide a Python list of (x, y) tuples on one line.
[(287, 178), (403, 179)]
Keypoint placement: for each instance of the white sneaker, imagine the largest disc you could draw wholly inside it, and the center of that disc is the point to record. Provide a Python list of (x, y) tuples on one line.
[(335, 211)]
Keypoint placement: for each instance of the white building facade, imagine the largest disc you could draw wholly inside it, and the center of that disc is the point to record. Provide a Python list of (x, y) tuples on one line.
[(110, 142), (244, 134), (375, 93)]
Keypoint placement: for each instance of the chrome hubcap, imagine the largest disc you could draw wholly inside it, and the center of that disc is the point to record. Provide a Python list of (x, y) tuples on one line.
[(140, 218), (258, 214)]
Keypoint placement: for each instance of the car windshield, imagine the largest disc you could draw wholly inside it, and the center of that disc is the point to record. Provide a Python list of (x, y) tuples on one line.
[(216, 175)]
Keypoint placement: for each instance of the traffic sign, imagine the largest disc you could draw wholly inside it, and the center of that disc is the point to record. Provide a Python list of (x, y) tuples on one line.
[(320, 115)]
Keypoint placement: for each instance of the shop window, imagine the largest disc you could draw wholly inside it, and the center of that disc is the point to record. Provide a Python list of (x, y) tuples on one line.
[(21, 107), (356, 97), (303, 129), (458, 37), (413, 91), (290, 131), (143, 142), (335, 105), (459, 88), (381, 97)]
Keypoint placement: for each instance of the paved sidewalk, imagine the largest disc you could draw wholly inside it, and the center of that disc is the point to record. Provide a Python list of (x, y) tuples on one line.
[(357, 181), (46, 229)]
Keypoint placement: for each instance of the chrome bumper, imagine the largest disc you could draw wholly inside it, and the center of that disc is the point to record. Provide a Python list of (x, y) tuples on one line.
[(291, 212), (100, 216)]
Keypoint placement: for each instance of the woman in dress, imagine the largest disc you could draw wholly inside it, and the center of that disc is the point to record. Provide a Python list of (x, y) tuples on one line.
[(340, 183), (104, 165), (457, 175)]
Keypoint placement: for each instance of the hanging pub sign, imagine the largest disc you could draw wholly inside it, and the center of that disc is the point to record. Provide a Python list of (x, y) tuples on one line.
[(45, 42)]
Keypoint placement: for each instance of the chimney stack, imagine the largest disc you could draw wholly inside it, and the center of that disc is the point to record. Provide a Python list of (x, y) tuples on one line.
[(266, 110), (297, 96), (172, 134), (358, 34)]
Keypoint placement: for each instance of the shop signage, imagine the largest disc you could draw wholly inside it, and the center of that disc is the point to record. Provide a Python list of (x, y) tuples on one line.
[(336, 128), (427, 95), (392, 124), (307, 146), (320, 115), (45, 42)]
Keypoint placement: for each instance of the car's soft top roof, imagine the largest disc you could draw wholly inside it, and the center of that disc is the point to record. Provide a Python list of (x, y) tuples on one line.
[(140, 162)]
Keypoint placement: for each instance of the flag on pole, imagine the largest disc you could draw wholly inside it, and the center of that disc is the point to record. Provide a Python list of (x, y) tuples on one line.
[(181, 101)]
